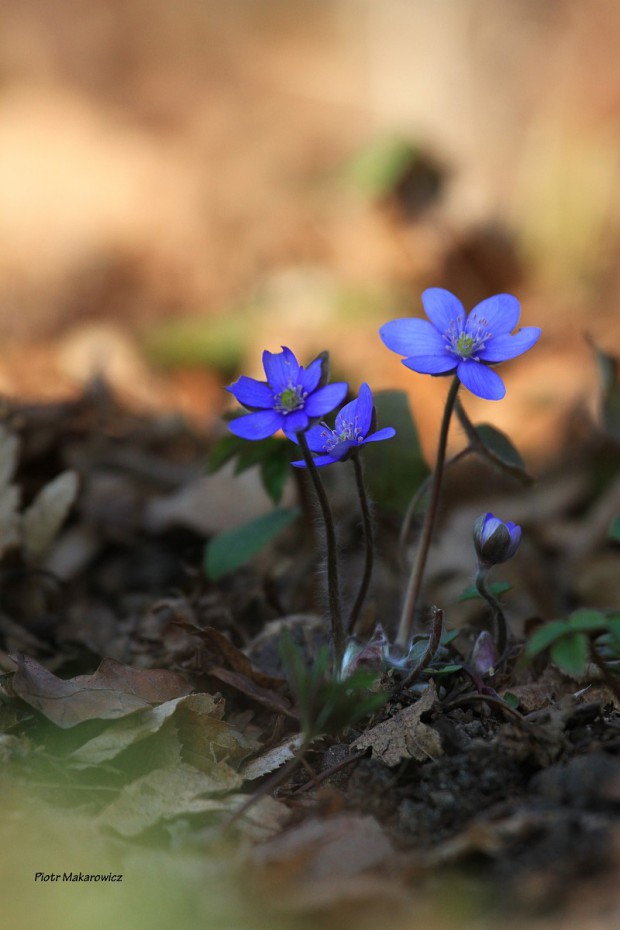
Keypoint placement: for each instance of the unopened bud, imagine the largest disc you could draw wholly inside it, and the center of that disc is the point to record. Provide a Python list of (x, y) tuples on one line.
[(495, 541)]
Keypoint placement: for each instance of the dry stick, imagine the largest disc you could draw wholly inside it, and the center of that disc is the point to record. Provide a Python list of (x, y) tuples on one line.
[(332, 770), (368, 544), (333, 589), (417, 573)]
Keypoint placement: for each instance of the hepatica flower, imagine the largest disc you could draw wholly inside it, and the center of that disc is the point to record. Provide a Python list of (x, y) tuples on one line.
[(353, 428), (494, 540), (452, 341), (290, 398)]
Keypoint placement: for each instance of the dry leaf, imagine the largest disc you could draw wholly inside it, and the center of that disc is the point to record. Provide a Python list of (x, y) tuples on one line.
[(113, 691), (119, 736), (341, 846), (42, 520), (10, 495), (404, 736), (272, 759), (168, 793)]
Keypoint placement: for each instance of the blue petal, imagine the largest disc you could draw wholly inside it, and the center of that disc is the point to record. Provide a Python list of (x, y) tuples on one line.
[(500, 314), (346, 415), (386, 433), (364, 409), (309, 377), (281, 368), (318, 460), (252, 393), (502, 348), (412, 337), (295, 422), (257, 425), (432, 364), (316, 438), (480, 380), (326, 398), (489, 525), (442, 308), (359, 409)]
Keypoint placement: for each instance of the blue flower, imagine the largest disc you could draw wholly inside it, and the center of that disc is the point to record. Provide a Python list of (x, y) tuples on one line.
[(456, 342), (291, 397), (495, 541), (353, 428)]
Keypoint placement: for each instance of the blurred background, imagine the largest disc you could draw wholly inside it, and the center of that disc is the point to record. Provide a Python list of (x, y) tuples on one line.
[(183, 185)]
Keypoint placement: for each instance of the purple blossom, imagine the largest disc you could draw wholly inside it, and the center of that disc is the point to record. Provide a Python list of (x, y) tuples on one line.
[(495, 541), (290, 398), (354, 427), (451, 341)]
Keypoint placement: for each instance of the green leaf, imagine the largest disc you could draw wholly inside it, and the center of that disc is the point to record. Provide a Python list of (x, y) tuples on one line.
[(499, 448), (273, 457), (587, 620), (229, 550), (570, 653), (275, 469), (223, 451), (497, 588), (609, 369), (395, 468), (545, 635), (443, 670), (511, 699), (614, 529)]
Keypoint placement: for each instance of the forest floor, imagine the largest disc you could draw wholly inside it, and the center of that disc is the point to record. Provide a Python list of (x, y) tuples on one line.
[(143, 704)]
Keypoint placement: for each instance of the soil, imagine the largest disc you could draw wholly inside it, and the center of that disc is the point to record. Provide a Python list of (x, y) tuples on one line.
[(496, 811)]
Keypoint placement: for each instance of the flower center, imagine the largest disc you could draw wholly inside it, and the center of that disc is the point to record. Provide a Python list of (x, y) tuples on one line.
[(466, 344), (291, 398), (350, 432)]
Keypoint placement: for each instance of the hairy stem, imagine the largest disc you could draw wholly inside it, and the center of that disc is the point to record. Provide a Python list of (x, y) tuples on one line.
[(368, 544), (417, 571), (499, 620), (432, 646), (333, 587)]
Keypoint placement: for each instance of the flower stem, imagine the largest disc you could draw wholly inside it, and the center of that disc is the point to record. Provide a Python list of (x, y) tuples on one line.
[(432, 646), (499, 620), (368, 543), (333, 588), (417, 571)]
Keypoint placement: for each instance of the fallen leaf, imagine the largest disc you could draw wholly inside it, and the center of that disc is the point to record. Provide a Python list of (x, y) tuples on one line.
[(265, 696), (271, 760), (318, 849), (167, 793), (42, 520), (130, 730), (113, 691), (218, 650), (404, 736)]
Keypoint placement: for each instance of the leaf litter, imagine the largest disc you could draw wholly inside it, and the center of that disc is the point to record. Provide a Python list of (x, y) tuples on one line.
[(151, 700)]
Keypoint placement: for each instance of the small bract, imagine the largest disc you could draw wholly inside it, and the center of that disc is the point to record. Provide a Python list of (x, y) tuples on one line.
[(452, 342)]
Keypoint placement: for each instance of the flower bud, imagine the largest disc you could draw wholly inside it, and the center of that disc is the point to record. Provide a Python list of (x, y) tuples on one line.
[(495, 541)]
